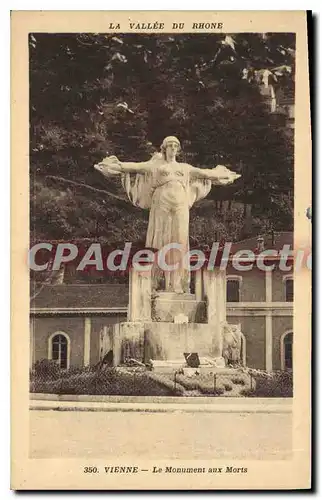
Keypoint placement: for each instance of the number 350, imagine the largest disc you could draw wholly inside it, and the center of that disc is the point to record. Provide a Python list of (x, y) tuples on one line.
[(90, 470)]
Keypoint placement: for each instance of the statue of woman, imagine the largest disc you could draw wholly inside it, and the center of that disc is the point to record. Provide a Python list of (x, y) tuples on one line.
[(168, 188)]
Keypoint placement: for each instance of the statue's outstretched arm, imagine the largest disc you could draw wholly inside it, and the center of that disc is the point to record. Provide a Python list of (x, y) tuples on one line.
[(135, 167), (219, 175), (113, 166)]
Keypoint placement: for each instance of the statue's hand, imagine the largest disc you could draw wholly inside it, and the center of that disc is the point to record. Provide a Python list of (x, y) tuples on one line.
[(109, 166), (111, 160), (224, 176)]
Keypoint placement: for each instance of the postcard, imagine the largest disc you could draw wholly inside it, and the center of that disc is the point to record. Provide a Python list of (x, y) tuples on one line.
[(161, 250)]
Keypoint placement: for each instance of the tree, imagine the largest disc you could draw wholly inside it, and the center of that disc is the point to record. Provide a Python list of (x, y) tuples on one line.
[(93, 94)]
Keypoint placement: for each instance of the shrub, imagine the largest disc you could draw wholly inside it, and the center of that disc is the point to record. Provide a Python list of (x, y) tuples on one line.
[(203, 384), (228, 387), (46, 369), (211, 391), (110, 381), (191, 384), (248, 393), (278, 384), (176, 388)]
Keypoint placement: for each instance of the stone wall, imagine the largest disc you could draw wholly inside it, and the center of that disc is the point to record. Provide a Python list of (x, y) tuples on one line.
[(73, 327), (44, 327)]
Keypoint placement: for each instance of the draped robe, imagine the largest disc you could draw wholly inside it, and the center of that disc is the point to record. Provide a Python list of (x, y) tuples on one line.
[(168, 190)]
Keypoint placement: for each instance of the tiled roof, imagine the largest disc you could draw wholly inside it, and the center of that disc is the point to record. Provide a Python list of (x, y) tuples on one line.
[(280, 239), (81, 297)]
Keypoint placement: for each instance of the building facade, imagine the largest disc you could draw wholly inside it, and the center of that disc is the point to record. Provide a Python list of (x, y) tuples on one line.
[(69, 321)]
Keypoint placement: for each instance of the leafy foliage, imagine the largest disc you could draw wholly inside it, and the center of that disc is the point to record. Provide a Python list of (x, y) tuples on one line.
[(109, 381), (277, 384), (93, 94)]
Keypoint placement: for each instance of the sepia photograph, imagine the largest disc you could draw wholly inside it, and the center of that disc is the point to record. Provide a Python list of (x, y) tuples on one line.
[(162, 258)]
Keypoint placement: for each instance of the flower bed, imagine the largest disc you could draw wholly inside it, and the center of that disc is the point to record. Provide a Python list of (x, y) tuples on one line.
[(278, 384), (50, 379), (203, 384)]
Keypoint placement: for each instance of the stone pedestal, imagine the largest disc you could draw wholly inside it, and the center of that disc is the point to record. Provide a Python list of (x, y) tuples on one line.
[(167, 305), (199, 285), (164, 341), (139, 308), (165, 325), (214, 289)]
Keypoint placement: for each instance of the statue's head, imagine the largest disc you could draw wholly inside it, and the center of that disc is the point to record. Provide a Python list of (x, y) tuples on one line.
[(170, 147)]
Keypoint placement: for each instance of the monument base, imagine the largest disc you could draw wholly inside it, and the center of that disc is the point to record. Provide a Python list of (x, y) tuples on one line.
[(165, 341), (172, 366)]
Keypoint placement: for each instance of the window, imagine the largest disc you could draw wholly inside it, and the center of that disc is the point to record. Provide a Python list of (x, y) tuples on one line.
[(287, 351), (288, 284), (59, 349), (233, 288)]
